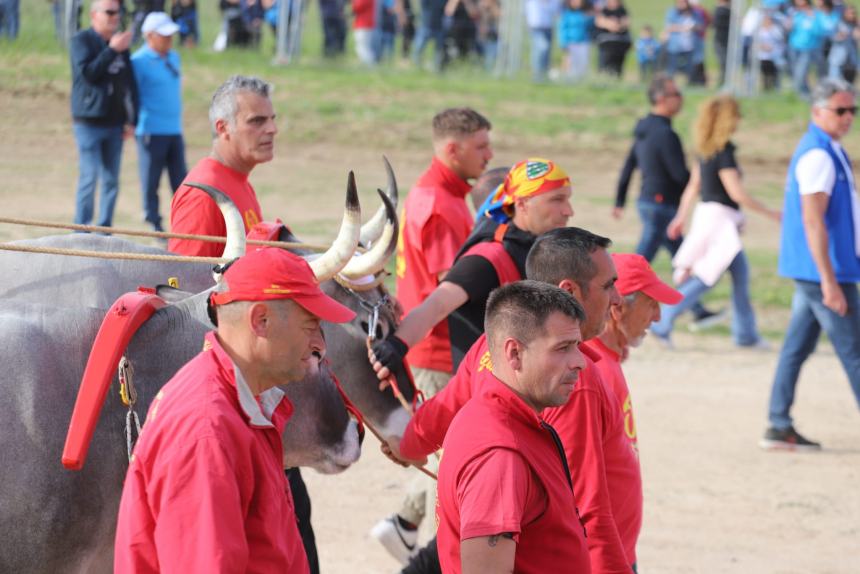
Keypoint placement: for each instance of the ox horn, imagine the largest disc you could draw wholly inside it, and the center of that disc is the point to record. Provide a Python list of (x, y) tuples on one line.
[(366, 286), (377, 256), (329, 263), (372, 230), (235, 246)]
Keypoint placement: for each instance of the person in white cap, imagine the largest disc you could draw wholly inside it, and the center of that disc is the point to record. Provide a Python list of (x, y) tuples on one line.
[(160, 145)]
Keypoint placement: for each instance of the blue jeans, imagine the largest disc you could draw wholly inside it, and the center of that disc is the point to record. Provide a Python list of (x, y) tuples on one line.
[(743, 317), (99, 155), (540, 52), (10, 18), (680, 62), (655, 219), (423, 37), (808, 317), (154, 154), (801, 62)]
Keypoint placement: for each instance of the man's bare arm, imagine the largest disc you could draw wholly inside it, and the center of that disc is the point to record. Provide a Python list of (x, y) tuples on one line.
[(488, 554)]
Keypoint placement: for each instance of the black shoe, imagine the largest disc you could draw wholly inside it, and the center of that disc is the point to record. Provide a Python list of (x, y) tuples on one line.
[(787, 439), (705, 319)]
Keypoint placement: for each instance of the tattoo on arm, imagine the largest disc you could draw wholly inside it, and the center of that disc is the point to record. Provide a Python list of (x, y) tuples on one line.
[(493, 540)]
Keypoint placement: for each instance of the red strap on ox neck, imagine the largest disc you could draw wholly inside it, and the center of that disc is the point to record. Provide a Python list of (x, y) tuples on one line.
[(120, 324)]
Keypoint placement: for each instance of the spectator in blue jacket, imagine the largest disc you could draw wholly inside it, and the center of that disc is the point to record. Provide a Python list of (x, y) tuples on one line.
[(10, 18), (647, 51), (682, 25), (808, 29), (574, 36), (158, 76), (104, 106)]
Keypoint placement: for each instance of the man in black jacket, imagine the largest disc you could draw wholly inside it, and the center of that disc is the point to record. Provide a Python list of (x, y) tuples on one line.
[(104, 108), (658, 154)]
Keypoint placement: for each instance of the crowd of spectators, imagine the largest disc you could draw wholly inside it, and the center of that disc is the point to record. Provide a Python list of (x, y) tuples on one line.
[(791, 38)]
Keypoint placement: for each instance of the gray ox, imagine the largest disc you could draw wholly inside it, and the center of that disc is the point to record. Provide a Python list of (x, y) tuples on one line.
[(54, 520)]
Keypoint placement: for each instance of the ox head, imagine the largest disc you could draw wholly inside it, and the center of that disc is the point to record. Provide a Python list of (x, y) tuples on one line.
[(359, 286)]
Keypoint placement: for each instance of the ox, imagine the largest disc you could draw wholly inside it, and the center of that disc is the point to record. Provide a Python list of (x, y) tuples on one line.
[(53, 520)]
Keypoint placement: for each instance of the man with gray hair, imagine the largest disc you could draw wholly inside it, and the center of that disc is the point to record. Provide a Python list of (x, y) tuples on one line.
[(820, 251), (243, 135)]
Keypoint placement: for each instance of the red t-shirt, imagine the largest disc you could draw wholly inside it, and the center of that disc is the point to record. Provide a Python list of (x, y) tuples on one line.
[(363, 12), (434, 224), (610, 370), (193, 211), (606, 475), (205, 490), (501, 472)]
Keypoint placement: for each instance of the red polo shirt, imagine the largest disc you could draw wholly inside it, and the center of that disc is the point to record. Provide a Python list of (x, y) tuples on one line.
[(205, 490), (502, 472), (606, 475), (434, 224), (193, 211)]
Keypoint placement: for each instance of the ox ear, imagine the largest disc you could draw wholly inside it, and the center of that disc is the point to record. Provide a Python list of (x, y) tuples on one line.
[(172, 294)]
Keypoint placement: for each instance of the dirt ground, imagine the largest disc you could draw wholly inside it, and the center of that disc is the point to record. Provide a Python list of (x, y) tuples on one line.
[(713, 501)]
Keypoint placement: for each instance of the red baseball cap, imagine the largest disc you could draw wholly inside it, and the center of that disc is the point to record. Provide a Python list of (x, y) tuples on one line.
[(273, 273), (634, 274)]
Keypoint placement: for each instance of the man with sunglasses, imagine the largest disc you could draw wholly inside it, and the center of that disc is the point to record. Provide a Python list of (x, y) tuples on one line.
[(104, 108), (159, 127), (820, 251), (659, 155)]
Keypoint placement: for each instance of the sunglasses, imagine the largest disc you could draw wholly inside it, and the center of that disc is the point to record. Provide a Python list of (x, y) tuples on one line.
[(111, 12), (842, 111)]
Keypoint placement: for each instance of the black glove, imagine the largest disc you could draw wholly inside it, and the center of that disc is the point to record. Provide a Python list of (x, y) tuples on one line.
[(391, 351)]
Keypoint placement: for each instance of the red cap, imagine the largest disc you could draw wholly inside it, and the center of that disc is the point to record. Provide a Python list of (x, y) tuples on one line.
[(273, 273), (634, 274)]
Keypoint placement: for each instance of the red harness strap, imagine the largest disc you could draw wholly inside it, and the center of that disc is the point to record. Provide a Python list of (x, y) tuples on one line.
[(350, 406), (120, 324)]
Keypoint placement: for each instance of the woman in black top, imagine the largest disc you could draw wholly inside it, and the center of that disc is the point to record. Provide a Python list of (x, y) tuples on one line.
[(612, 35), (718, 178)]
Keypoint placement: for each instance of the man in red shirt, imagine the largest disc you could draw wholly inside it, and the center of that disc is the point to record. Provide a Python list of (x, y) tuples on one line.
[(434, 224), (506, 499), (205, 489), (641, 292), (243, 131), (605, 469)]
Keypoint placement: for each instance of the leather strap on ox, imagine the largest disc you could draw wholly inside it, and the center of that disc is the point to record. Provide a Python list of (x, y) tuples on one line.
[(123, 319)]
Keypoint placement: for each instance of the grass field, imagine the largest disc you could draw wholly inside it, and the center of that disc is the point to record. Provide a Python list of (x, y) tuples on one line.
[(344, 107)]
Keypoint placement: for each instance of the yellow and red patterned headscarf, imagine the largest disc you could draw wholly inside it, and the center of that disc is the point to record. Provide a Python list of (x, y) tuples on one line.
[(530, 178)]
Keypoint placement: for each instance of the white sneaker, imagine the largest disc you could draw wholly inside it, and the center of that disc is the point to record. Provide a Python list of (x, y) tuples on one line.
[(402, 544)]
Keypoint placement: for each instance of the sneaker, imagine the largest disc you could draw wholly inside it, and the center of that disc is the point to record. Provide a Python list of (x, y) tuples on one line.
[(707, 319), (759, 345), (787, 439), (400, 542)]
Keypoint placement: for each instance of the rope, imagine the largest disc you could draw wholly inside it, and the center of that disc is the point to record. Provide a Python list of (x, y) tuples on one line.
[(157, 234), (111, 255), (379, 437)]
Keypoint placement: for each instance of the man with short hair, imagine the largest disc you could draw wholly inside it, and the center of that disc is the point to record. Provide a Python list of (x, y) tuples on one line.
[(104, 107), (535, 197), (658, 154), (243, 128), (605, 469), (157, 73), (243, 136), (820, 251), (434, 224), (205, 489), (506, 499)]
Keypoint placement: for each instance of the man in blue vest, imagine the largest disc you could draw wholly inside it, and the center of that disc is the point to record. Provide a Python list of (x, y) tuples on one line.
[(820, 250)]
